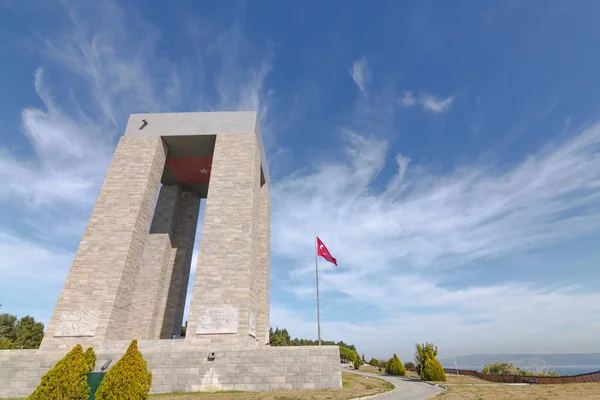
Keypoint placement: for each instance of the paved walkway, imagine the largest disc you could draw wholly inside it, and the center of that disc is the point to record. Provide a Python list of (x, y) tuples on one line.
[(406, 388)]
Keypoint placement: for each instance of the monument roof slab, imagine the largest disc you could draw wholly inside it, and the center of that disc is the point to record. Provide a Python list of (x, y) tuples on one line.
[(190, 138)]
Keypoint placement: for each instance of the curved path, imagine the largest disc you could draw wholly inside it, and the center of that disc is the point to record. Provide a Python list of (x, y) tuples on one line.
[(406, 388)]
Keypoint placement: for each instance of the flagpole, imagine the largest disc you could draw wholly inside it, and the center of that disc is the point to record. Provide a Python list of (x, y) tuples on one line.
[(456, 365), (317, 276)]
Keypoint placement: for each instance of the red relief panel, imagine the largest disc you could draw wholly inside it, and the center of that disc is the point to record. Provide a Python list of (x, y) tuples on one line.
[(190, 170)]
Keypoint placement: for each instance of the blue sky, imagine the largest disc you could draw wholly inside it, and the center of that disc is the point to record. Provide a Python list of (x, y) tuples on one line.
[(447, 153)]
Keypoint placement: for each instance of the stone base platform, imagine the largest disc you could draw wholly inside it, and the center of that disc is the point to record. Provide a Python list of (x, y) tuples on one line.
[(178, 366)]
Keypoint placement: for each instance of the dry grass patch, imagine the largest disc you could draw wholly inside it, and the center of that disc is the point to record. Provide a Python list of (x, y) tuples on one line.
[(371, 369), (353, 386), (461, 379), (571, 391), (451, 379)]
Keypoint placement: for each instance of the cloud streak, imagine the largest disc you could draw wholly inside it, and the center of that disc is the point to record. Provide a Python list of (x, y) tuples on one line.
[(113, 70), (467, 214), (29, 261), (436, 104), (70, 158), (360, 74), (429, 102), (502, 317), (399, 242)]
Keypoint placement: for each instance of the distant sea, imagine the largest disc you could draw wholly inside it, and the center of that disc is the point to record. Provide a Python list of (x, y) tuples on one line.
[(561, 369)]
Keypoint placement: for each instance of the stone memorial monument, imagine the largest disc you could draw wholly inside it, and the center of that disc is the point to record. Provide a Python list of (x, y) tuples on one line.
[(130, 274)]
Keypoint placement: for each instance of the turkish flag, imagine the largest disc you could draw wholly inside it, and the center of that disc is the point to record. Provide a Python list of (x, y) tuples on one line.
[(323, 252), (190, 170)]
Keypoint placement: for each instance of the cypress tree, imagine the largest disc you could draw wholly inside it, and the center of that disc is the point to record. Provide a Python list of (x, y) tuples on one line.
[(67, 379), (395, 367), (432, 369), (127, 379)]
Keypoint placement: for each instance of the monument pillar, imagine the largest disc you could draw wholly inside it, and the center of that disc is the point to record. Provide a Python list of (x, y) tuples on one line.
[(146, 312), (264, 269), (96, 298), (225, 297), (174, 292)]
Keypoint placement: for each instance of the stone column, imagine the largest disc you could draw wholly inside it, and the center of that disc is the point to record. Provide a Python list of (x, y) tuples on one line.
[(264, 269), (146, 311), (96, 298), (224, 298), (173, 296)]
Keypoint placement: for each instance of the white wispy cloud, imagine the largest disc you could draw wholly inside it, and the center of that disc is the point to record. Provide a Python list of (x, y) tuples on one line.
[(428, 101), (408, 99), (111, 68), (70, 157), (468, 213), (360, 74), (436, 104), (393, 244), (123, 74), (30, 261), (113, 57), (240, 87), (497, 318)]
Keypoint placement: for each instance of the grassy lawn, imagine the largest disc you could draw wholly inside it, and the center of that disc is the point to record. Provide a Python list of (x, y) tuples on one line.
[(353, 386), (571, 391), (462, 379), (451, 379), (370, 368)]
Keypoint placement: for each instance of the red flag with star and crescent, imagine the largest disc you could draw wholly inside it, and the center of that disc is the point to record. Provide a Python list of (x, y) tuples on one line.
[(190, 170), (323, 252)]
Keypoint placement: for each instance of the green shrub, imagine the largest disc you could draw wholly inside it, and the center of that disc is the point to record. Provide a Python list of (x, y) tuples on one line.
[(421, 353), (67, 379), (357, 364), (347, 354), (432, 370), (537, 373), (374, 362), (6, 344), (127, 379), (500, 368), (395, 367), (410, 366), (90, 358), (503, 368)]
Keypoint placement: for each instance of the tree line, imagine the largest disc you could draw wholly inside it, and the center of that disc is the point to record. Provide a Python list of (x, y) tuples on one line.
[(23, 333), (426, 363), (281, 337)]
